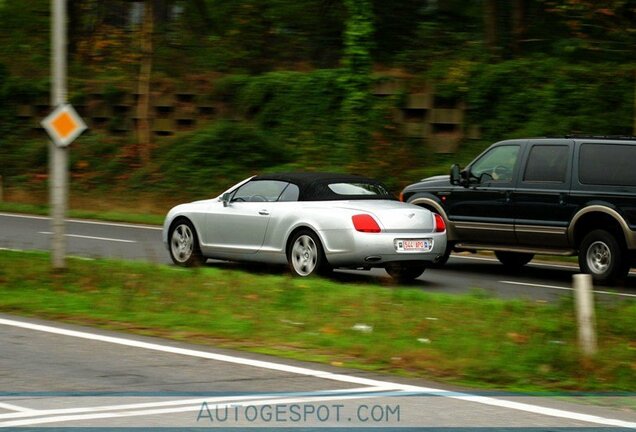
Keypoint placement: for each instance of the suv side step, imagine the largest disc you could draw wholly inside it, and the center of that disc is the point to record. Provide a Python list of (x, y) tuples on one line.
[(474, 247)]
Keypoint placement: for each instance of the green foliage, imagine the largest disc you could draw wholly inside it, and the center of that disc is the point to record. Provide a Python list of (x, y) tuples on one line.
[(250, 36), (299, 111), (24, 40), (211, 159), (4, 105), (594, 30), (324, 119), (302, 114), (544, 96), (356, 80), (5, 155), (440, 36), (19, 153)]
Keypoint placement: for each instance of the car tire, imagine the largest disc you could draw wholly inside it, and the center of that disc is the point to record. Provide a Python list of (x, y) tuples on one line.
[(183, 244), (405, 272), (603, 257), (305, 255), (514, 259)]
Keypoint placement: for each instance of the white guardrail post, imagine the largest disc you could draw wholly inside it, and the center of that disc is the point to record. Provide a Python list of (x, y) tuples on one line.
[(585, 315)]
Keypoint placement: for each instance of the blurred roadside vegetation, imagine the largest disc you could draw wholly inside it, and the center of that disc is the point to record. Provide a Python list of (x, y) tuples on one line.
[(475, 339), (295, 77)]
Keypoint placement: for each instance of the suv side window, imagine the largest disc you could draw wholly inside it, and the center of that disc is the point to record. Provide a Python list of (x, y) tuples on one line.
[(607, 164), (496, 165), (547, 163)]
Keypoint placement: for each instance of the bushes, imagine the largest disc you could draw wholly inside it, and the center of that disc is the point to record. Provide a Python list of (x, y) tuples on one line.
[(285, 121), (212, 158), (543, 96), (291, 106)]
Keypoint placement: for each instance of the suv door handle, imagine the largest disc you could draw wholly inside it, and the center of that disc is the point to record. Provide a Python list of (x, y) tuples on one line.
[(562, 197), (263, 212)]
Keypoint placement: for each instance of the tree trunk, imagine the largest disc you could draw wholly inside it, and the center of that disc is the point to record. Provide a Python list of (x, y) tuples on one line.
[(143, 104), (518, 25), (490, 25), (74, 23), (204, 15)]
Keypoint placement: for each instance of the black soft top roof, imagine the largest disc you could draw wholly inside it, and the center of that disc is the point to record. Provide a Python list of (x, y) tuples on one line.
[(314, 186)]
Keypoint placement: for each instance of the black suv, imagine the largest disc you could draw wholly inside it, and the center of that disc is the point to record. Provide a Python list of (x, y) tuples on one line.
[(556, 196)]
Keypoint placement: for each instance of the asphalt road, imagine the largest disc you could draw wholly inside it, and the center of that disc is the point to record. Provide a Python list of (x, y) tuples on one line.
[(462, 274), (57, 375), (54, 375)]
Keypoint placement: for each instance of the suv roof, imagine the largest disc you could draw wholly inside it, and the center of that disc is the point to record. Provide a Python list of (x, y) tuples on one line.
[(602, 137)]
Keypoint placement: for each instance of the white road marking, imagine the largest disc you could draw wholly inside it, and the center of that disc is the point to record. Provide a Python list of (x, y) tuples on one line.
[(358, 392), (235, 402), (565, 288), (534, 264), (323, 375), (84, 221), (91, 237), (573, 267), (11, 407)]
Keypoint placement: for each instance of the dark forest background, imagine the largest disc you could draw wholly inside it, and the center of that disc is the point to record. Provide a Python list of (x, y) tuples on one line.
[(295, 78)]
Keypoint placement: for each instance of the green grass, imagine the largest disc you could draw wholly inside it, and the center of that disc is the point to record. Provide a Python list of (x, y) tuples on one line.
[(474, 340), (111, 216)]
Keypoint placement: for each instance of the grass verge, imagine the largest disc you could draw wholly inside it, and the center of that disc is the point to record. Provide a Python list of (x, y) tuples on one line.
[(474, 340)]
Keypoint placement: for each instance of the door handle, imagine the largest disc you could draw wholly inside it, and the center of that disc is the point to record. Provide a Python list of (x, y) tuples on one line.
[(263, 212)]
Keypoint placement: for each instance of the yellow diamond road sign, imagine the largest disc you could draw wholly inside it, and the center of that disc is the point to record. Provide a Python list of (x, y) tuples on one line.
[(64, 125)]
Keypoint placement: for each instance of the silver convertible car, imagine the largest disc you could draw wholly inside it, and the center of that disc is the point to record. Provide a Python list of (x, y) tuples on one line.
[(312, 221)]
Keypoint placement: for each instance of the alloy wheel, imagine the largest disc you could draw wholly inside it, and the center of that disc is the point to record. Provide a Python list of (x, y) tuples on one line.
[(182, 243), (304, 255)]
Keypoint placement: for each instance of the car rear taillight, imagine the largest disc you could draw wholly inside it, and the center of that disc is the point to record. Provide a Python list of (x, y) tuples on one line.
[(365, 223), (440, 225), (401, 196)]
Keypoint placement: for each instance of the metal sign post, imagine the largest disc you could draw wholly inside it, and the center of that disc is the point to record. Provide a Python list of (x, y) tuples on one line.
[(63, 125), (58, 162)]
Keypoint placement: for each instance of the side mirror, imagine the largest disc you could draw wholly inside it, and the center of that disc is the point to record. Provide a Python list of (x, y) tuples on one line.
[(226, 198), (455, 175)]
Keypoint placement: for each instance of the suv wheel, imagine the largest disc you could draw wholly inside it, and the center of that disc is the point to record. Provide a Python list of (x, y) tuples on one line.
[(602, 256), (513, 259)]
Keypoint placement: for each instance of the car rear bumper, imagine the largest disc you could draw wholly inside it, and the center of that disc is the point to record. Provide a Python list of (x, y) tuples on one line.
[(349, 248)]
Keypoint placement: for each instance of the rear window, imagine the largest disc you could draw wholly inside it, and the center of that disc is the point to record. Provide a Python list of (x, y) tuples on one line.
[(358, 189), (607, 164)]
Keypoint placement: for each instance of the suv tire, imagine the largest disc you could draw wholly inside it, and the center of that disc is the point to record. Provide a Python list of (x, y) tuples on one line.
[(602, 256), (513, 260)]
